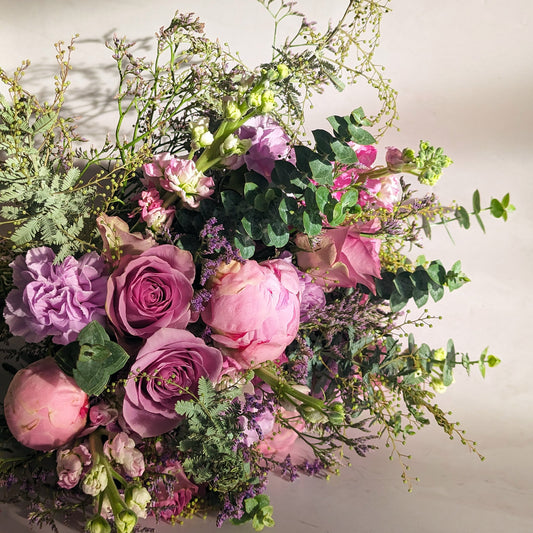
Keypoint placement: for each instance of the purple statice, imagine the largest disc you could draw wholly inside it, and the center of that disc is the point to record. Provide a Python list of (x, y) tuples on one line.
[(312, 468), (56, 300), (289, 470), (217, 245)]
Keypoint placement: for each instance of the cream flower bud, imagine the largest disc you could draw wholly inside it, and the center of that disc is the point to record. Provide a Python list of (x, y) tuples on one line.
[(95, 481)]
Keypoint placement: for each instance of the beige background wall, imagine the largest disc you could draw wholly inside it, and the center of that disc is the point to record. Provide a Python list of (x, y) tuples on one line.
[(464, 74)]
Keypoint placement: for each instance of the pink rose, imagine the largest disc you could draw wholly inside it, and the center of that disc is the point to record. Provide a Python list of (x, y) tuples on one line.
[(172, 494), (151, 291), (341, 257), (254, 310), (44, 408), (281, 440), (174, 360), (117, 239)]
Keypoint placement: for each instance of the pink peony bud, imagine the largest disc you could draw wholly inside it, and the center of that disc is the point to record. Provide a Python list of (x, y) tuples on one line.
[(44, 408)]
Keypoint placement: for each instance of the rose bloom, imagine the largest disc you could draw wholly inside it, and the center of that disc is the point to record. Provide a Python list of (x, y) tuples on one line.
[(342, 257), (150, 291), (58, 300), (269, 144), (44, 408), (117, 239), (254, 310), (172, 494), (174, 360)]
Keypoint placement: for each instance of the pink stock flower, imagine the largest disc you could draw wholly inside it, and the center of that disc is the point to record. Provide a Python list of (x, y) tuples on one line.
[(122, 450), (70, 465), (173, 492), (153, 212), (341, 257), (44, 408), (269, 144), (117, 239), (150, 291), (173, 361), (180, 176), (57, 300), (254, 310)]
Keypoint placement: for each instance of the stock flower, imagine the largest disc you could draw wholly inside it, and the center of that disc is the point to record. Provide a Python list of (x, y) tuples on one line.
[(254, 310), (153, 211), (137, 499), (95, 481), (180, 176), (44, 408), (173, 492), (70, 465), (341, 257), (117, 239), (122, 449), (269, 143), (57, 300), (150, 291), (167, 369)]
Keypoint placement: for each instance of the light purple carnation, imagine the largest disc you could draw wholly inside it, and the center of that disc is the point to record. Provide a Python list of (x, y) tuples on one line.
[(269, 143), (57, 300)]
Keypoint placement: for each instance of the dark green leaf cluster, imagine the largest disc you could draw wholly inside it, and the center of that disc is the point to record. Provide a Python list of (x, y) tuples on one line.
[(92, 359), (400, 286), (208, 440)]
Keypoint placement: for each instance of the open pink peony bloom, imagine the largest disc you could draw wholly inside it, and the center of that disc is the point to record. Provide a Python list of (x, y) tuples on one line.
[(57, 300), (150, 291), (254, 310), (174, 360), (341, 257), (44, 408)]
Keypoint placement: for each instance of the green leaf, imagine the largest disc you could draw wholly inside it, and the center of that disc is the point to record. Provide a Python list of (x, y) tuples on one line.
[(449, 363), (480, 222), (276, 234), (244, 243), (493, 361), (404, 285), (476, 202), (397, 301), (44, 123), (287, 208), (93, 333), (349, 198), (322, 197), (505, 201), (360, 136), (312, 222), (310, 162), (357, 116), (437, 272), (426, 226), (462, 216), (496, 208), (252, 224), (337, 216)]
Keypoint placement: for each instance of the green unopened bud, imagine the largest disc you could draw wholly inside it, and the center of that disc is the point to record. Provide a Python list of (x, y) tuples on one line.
[(283, 71), (267, 102), (98, 524), (232, 111), (312, 415), (95, 481), (254, 99), (336, 416), (125, 521)]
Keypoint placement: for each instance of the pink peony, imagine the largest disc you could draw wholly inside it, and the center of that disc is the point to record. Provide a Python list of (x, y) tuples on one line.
[(173, 492), (117, 239), (70, 465), (269, 144), (341, 257), (174, 360), (44, 408), (150, 291), (181, 176), (58, 300), (254, 310)]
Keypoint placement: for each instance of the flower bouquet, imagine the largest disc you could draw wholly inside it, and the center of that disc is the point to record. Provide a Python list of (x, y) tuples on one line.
[(213, 295)]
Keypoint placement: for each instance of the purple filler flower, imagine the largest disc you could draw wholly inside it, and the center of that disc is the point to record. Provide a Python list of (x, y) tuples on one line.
[(58, 300)]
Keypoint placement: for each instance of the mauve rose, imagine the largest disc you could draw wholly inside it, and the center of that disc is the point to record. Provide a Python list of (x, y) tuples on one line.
[(341, 257), (117, 239), (150, 291), (58, 300), (254, 310), (172, 495), (175, 360), (44, 408)]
